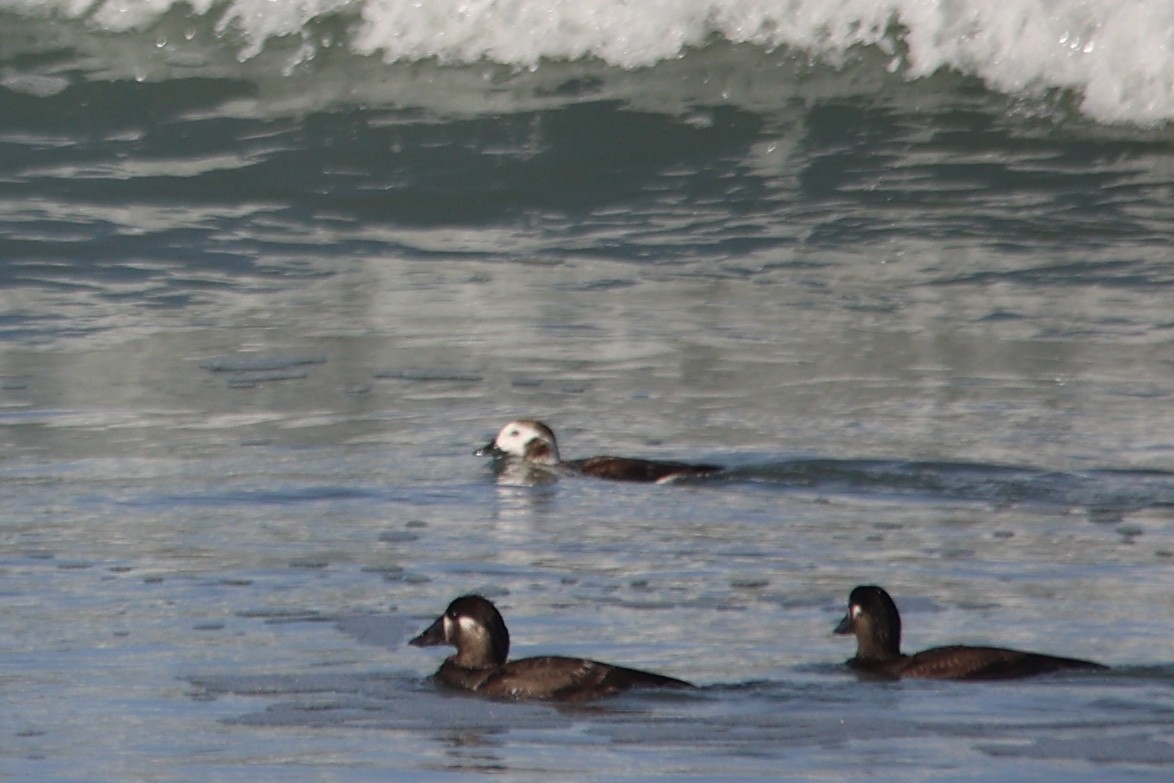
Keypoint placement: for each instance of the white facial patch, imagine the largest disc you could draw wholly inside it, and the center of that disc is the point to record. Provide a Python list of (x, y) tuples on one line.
[(513, 439), (468, 626), (448, 636)]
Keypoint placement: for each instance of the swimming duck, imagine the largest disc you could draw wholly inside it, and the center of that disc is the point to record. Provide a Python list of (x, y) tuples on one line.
[(873, 618), (473, 625), (533, 442)]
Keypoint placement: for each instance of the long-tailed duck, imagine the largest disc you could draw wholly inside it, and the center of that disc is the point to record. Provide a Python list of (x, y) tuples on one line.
[(533, 443)]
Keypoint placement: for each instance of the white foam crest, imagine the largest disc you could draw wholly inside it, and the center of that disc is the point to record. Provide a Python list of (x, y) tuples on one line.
[(1117, 54)]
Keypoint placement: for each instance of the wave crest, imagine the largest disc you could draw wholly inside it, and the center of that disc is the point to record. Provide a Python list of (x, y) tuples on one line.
[(1116, 56)]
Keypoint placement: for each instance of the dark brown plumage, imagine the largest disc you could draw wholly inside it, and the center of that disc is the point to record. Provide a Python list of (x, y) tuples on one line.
[(873, 618), (473, 625)]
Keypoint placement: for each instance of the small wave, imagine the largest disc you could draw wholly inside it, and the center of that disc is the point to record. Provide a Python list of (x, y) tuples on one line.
[(1116, 57), (260, 363), (1105, 493)]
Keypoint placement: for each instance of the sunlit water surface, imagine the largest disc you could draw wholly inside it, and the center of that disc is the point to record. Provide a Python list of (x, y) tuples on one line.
[(254, 326)]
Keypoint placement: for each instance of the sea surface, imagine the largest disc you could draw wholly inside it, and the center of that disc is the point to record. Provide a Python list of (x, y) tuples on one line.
[(271, 271)]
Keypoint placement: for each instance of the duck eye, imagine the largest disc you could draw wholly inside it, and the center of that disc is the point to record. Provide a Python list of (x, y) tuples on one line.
[(856, 610), (514, 433)]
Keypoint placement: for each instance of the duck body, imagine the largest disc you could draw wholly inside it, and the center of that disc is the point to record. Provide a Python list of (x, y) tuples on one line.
[(473, 625), (963, 662), (633, 469), (553, 678), (533, 443), (873, 618)]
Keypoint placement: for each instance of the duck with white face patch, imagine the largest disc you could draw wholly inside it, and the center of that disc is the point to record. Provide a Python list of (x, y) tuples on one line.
[(532, 444), (480, 665), (873, 618)]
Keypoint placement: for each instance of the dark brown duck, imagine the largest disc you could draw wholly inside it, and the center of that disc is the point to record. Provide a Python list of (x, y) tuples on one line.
[(873, 618), (474, 626)]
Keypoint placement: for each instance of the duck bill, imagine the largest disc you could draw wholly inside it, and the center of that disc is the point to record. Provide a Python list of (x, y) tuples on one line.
[(846, 626), (490, 449), (432, 637)]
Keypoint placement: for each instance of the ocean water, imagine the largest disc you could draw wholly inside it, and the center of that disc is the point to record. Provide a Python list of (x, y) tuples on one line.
[(271, 271)]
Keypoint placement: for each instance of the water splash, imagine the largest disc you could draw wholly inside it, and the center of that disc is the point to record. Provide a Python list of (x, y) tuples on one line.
[(1115, 57)]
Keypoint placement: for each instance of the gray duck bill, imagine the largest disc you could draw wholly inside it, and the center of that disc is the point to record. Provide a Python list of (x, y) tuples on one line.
[(433, 636), (846, 626), (490, 449)]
